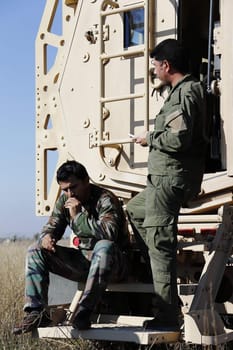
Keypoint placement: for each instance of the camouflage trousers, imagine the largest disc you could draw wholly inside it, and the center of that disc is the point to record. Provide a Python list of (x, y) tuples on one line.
[(107, 263), (154, 215)]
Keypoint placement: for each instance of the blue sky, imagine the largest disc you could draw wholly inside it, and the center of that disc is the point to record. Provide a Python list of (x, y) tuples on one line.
[(19, 23)]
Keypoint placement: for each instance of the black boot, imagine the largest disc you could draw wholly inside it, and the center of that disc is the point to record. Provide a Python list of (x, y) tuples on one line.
[(162, 322), (34, 318), (82, 318)]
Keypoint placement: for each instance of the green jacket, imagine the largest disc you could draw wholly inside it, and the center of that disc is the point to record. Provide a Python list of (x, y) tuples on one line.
[(102, 217), (177, 144)]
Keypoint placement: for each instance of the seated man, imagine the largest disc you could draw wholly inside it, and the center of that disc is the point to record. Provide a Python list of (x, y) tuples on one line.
[(95, 215)]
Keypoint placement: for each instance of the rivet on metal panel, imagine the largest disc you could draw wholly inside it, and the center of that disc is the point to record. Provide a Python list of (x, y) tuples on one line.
[(56, 78), (86, 57), (112, 154), (86, 123), (101, 177), (105, 61), (111, 161), (106, 113)]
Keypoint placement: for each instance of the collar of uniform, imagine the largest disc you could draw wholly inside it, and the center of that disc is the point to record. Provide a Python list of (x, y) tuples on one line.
[(185, 77)]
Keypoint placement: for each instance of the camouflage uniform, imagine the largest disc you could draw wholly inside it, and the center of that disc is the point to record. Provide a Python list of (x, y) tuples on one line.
[(100, 258), (175, 171)]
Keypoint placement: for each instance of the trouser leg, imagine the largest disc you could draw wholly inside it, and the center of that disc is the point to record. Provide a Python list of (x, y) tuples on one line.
[(162, 250), (164, 197), (136, 214), (66, 262), (107, 264), (146, 211)]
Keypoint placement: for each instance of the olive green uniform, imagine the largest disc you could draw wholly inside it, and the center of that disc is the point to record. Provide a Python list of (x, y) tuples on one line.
[(175, 170)]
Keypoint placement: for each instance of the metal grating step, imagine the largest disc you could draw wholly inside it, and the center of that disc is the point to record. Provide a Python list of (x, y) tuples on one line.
[(110, 332), (134, 287)]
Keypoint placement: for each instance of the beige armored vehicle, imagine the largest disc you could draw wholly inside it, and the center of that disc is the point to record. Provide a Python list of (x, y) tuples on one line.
[(95, 87)]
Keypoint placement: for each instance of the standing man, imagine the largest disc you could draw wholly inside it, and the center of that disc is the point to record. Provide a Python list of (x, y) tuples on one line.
[(95, 215), (175, 171)]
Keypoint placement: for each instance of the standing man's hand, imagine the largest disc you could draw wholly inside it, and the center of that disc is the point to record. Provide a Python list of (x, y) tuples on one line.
[(48, 243), (141, 139), (74, 206)]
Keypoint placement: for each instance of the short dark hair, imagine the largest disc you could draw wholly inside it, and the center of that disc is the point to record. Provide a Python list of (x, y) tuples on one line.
[(71, 168), (172, 51)]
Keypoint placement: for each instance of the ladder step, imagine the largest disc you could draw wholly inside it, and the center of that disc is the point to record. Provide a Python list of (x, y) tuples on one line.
[(134, 52), (135, 287), (121, 98), (121, 9)]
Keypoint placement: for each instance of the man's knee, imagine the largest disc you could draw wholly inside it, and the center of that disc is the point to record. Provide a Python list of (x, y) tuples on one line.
[(33, 248), (36, 256), (104, 246), (103, 256)]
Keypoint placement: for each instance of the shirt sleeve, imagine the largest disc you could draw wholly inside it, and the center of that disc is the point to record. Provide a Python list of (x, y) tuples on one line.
[(57, 222), (177, 133), (103, 223)]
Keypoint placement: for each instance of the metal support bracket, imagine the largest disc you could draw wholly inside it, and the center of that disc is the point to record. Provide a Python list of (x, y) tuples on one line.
[(202, 316)]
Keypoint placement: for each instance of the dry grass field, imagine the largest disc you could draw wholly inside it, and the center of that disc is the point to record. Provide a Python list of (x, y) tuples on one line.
[(12, 260)]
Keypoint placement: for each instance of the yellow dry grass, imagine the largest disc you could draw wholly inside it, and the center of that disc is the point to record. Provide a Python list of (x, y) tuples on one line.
[(12, 261)]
